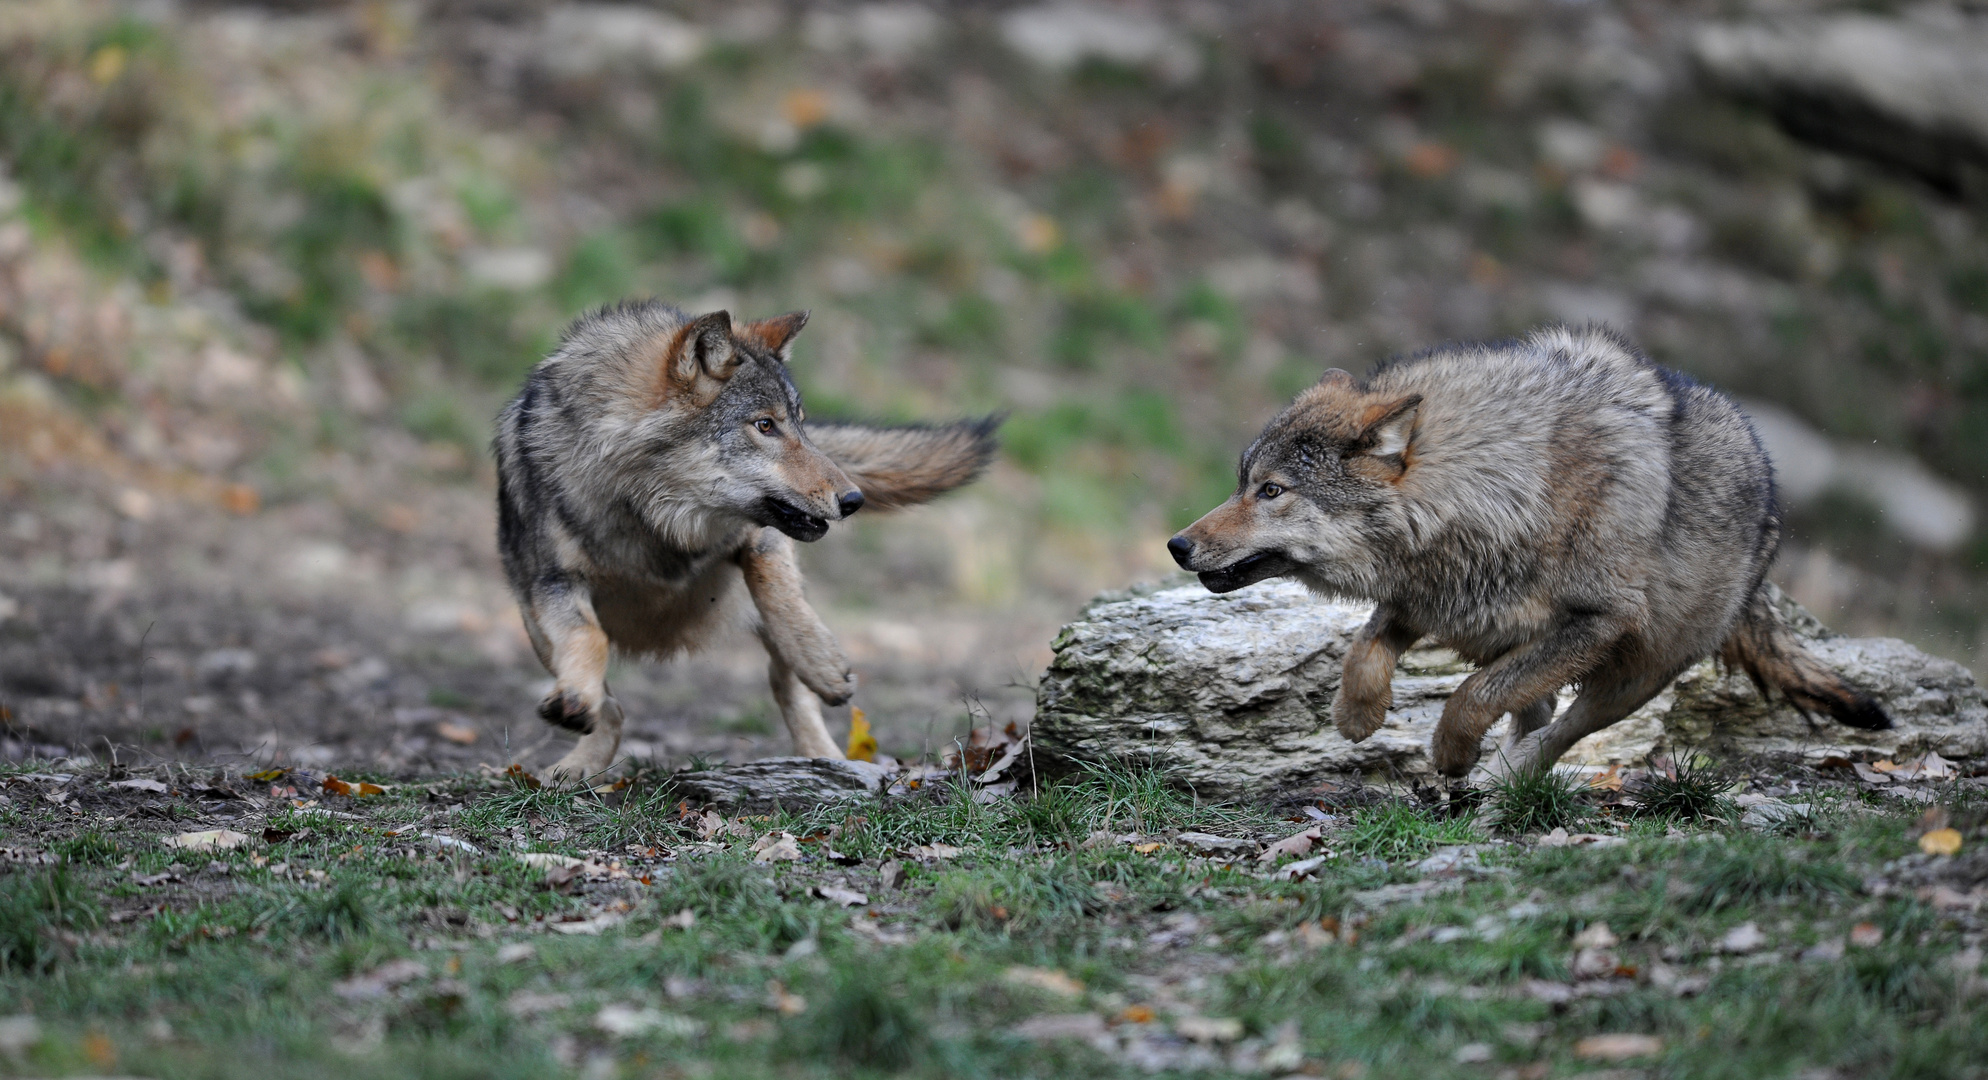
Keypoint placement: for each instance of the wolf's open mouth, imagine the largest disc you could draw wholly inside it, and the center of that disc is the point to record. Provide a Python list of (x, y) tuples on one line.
[(793, 520), (1249, 571)]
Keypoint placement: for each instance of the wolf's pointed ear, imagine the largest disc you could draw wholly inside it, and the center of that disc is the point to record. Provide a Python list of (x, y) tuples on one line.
[(1388, 426), (704, 349), (775, 335), (1336, 377)]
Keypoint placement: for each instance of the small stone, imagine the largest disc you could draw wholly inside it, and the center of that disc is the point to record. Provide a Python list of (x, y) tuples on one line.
[(1208, 844), (792, 783), (1744, 938)]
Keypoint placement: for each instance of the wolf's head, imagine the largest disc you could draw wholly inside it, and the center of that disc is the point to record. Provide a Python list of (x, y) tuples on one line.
[(735, 438), (1316, 493)]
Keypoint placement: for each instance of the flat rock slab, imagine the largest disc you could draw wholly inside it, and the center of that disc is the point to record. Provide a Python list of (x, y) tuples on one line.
[(790, 783), (1232, 694)]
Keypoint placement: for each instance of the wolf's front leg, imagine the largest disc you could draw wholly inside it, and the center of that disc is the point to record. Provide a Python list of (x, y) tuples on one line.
[(1366, 679), (807, 664), (801, 710), (575, 649)]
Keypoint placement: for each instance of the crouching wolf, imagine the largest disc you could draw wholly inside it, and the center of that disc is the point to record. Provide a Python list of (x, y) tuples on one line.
[(1559, 510), (653, 465)]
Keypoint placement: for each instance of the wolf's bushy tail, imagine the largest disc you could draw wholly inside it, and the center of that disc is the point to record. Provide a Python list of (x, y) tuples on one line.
[(908, 465), (1771, 654)]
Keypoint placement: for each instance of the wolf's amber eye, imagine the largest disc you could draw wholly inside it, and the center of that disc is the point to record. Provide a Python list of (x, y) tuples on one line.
[(764, 425), (1269, 491)]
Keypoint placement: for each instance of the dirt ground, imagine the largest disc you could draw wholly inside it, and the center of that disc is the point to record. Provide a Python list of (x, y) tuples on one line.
[(179, 633)]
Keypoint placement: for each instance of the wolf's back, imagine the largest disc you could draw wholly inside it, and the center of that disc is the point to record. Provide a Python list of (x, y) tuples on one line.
[(908, 465)]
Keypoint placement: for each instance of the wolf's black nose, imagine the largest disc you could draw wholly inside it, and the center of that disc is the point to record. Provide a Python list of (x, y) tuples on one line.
[(1182, 549), (850, 502)]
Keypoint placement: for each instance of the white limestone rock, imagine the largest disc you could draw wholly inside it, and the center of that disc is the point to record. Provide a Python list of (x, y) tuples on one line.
[(1232, 696)]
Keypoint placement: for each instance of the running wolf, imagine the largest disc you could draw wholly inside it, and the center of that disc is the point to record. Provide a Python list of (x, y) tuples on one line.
[(1559, 510), (652, 465)]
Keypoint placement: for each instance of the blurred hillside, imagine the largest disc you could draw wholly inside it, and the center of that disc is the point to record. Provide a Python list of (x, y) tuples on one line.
[(266, 270)]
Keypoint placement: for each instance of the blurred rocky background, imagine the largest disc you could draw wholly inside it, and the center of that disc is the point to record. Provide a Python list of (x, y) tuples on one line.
[(267, 270)]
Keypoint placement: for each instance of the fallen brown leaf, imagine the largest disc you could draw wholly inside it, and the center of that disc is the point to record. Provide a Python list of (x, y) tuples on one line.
[(777, 846), (460, 734), (1870, 775), (208, 840), (335, 786), (517, 775), (1866, 935), (1293, 845)]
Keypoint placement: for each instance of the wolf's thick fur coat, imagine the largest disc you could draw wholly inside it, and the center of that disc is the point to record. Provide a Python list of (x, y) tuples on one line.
[(1559, 510), (655, 463)]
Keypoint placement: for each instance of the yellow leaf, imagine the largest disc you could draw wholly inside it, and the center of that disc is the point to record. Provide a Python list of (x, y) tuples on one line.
[(1608, 781), (1148, 848), (1056, 982), (269, 774), (805, 107), (862, 745), (1940, 842), (107, 63)]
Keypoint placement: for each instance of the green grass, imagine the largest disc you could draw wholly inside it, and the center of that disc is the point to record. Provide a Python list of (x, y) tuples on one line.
[(1538, 800), (1685, 790), (258, 972)]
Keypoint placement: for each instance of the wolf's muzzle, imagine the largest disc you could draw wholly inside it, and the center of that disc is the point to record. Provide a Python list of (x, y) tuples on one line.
[(793, 520), (850, 502), (1182, 550), (1263, 564)]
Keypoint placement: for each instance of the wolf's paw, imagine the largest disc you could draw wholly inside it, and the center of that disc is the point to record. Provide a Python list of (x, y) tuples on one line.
[(833, 688), (1357, 719), (567, 709), (579, 764), (1452, 754)]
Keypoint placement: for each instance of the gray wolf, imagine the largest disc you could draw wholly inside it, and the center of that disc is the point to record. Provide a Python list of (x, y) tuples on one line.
[(1559, 510), (654, 467)]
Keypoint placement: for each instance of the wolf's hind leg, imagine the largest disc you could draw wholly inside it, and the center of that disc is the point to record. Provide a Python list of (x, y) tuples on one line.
[(793, 633), (1366, 679), (1525, 721), (801, 709), (1514, 682), (595, 750), (1604, 699), (575, 651)]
